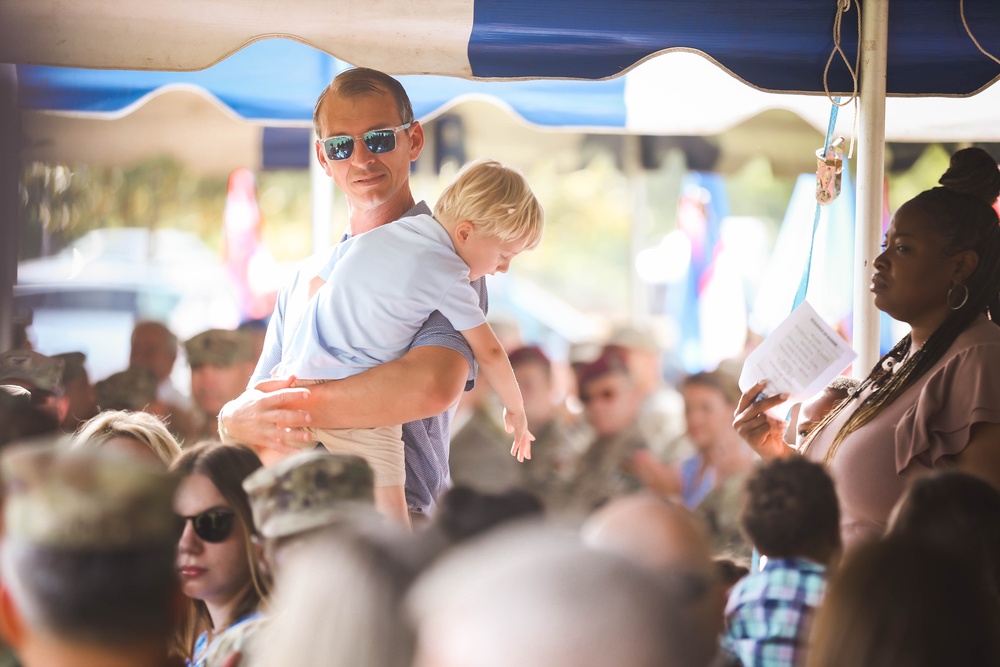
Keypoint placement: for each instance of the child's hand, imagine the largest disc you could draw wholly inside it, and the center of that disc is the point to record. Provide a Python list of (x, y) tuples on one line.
[(517, 423)]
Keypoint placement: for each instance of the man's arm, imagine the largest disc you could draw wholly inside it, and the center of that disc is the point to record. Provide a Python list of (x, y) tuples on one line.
[(423, 383)]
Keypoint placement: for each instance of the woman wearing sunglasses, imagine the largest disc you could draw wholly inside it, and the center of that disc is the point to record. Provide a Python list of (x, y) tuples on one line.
[(215, 556)]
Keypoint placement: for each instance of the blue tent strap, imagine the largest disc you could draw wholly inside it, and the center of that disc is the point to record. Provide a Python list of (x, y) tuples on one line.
[(800, 295)]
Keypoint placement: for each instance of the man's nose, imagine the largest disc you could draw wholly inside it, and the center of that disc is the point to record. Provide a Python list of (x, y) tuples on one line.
[(361, 155)]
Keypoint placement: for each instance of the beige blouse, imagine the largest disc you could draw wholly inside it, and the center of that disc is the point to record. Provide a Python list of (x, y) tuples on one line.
[(924, 428)]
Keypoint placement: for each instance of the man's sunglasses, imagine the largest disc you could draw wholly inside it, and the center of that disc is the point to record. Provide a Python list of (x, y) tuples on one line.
[(376, 141), (212, 526)]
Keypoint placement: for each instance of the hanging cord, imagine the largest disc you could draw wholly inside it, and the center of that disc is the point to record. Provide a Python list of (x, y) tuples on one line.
[(844, 6), (800, 294), (961, 9)]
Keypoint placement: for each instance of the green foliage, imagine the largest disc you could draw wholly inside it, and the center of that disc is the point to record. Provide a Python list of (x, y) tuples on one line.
[(61, 203)]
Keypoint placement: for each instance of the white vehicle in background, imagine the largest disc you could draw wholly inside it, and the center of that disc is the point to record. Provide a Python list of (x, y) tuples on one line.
[(88, 297)]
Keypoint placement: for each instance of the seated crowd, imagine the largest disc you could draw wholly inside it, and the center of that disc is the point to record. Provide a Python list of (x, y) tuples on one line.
[(642, 531)]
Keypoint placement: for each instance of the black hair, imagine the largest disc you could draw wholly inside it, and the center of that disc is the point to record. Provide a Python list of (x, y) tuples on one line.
[(959, 512), (465, 512), (790, 508)]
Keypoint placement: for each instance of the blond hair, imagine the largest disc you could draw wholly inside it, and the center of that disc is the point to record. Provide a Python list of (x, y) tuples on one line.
[(496, 199), (140, 426)]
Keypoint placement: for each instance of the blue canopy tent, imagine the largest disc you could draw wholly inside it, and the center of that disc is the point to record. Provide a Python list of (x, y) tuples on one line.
[(922, 48)]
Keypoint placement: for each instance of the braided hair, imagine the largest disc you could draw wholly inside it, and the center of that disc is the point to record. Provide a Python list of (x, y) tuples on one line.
[(961, 210)]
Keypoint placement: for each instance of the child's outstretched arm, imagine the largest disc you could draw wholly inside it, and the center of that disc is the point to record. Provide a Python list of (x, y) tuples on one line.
[(495, 365)]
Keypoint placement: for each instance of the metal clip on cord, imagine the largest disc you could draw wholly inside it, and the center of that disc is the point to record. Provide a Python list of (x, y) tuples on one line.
[(829, 167)]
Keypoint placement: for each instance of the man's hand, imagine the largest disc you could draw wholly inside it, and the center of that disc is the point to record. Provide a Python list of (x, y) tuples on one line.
[(268, 419)]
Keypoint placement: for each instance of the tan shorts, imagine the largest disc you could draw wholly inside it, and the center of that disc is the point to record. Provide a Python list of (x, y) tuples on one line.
[(381, 447)]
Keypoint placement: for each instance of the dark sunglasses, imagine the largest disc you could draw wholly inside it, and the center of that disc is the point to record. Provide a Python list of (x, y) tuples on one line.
[(212, 526), (376, 141)]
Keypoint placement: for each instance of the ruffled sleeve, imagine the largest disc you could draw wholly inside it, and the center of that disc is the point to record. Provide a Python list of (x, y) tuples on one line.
[(962, 392)]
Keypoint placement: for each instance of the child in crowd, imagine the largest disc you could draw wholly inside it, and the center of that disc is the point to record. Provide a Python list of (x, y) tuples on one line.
[(812, 412), (377, 289), (792, 517)]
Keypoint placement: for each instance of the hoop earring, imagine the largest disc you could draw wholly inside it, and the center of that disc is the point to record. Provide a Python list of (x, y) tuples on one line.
[(964, 298)]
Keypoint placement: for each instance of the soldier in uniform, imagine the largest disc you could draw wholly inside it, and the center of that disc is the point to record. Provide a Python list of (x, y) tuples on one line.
[(88, 559), (221, 363), (133, 389), (661, 415), (611, 403), (292, 501), (78, 390)]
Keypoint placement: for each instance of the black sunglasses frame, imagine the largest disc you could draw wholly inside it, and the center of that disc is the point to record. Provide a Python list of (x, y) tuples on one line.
[(212, 526)]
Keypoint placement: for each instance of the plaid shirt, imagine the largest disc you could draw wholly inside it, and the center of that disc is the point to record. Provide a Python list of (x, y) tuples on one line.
[(769, 612)]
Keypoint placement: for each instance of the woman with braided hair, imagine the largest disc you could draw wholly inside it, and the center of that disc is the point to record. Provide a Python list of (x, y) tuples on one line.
[(934, 400)]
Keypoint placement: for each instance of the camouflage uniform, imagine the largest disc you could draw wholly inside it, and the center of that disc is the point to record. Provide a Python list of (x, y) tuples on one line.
[(85, 501), (307, 491), (220, 347), (36, 417), (603, 472), (32, 368), (133, 389), (73, 366), (216, 347)]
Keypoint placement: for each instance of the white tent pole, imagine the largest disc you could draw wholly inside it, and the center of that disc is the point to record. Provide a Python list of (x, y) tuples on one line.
[(322, 201), (632, 166), (871, 174)]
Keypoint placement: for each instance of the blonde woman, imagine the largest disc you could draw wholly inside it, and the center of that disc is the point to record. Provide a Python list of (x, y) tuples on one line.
[(138, 433)]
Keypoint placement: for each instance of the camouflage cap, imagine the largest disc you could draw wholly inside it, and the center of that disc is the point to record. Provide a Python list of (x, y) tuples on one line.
[(634, 337), (86, 499), (131, 389), (73, 365), (219, 347), (308, 490), (38, 370)]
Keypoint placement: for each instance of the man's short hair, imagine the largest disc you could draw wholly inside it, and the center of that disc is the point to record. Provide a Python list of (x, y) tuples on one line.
[(531, 354), (790, 506), (721, 381), (496, 199), (364, 81), (170, 341)]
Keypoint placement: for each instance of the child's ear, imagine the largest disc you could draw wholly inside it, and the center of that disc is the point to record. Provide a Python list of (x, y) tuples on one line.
[(464, 230)]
